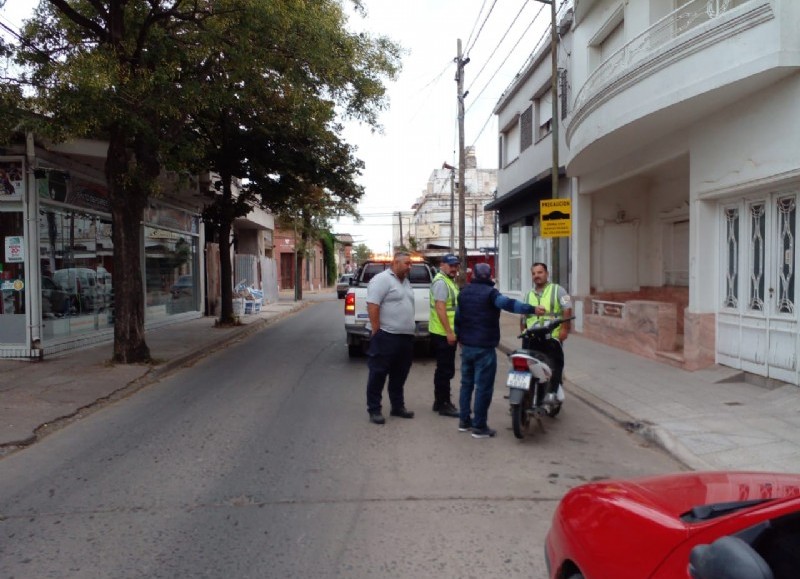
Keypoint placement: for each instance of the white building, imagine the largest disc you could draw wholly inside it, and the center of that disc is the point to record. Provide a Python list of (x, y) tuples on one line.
[(682, 149), (436, 213)]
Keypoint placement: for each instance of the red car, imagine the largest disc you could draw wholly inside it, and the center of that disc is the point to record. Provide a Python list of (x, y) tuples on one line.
[(699, 525)]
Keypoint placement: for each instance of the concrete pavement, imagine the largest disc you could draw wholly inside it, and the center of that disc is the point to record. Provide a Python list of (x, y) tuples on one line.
[(709, 419)]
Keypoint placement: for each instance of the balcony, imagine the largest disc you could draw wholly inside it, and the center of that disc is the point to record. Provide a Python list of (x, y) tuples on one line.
[(704, 55)]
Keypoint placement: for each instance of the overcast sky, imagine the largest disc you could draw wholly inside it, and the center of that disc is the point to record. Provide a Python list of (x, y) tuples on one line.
[(420, 127)]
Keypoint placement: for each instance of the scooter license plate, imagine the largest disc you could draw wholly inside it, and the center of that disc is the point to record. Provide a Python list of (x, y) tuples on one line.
[(519, 380)]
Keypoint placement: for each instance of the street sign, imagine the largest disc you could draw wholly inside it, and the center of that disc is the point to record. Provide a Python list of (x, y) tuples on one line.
[(555, 217)]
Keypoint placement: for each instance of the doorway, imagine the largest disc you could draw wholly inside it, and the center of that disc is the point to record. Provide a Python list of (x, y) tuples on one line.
[(757, 321)]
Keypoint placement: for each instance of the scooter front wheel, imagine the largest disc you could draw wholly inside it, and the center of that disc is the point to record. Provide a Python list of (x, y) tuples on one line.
[(520, 420)]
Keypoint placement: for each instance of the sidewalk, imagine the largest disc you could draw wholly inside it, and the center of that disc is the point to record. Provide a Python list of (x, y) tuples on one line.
[(710, 419)]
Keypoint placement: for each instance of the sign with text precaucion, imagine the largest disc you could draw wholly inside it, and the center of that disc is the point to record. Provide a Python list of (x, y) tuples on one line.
[(556, 217)]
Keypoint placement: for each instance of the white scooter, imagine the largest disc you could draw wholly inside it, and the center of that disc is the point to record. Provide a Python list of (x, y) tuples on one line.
[(531, 393)]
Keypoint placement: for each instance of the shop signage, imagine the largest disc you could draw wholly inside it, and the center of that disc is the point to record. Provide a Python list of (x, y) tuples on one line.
[(12, 179), (15, 250)]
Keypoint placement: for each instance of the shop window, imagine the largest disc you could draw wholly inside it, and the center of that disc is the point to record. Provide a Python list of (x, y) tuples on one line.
[(76, 265)]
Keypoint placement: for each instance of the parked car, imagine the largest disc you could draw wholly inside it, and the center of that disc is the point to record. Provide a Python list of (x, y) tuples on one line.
[(650, 528), (343, 285), (55, 301), (81, 284)]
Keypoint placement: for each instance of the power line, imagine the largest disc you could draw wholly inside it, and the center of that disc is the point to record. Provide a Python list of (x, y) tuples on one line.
[(497, 46), (469, 47), (477, 18), (510, 52)]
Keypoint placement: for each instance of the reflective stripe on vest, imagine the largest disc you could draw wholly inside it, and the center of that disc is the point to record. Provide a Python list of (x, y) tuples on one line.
[(549, 301), (435, 325)]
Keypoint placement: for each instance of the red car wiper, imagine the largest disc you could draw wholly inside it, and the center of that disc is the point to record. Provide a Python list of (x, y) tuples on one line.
[(707, 512)]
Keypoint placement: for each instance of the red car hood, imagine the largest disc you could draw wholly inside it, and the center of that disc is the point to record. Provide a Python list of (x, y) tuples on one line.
[(638, 521), (674, 495)]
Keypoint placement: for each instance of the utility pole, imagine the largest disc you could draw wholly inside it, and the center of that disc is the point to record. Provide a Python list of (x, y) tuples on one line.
[(554, 242), (452, 203), (400, 219), (462, 161)]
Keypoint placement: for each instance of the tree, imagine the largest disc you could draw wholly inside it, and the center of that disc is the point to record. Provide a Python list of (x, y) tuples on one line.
[(277, 73), (240, 85), (114, 70), (361, 253)]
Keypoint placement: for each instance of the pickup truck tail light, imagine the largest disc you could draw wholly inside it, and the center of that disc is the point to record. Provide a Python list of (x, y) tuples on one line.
[(350, 304)]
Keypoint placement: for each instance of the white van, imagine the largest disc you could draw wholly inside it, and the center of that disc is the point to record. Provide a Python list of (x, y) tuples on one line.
[(81, 282)]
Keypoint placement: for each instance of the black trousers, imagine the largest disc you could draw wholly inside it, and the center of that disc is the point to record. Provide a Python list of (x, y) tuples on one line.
[(445, 367), (390, 355)]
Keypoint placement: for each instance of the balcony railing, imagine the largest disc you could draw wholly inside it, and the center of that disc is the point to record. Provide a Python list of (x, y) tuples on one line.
[(691, 15)]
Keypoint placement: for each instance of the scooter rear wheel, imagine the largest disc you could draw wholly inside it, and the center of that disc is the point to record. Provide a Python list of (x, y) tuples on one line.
[(520, 419)]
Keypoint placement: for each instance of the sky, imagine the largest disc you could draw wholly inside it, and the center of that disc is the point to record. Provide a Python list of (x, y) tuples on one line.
[(420, 127)]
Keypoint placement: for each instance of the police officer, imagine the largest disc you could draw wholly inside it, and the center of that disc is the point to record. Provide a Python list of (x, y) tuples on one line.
[(441, 325), (550, 300)]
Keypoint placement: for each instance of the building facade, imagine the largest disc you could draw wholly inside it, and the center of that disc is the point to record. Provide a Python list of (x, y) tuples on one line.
[(435, 220), (680, 123), (57, 271)]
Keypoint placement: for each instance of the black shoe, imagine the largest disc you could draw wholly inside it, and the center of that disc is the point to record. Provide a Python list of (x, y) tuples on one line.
[(376, 418), (465, 425), (436, 406), (484, 432), (401, 413), (447, 409)]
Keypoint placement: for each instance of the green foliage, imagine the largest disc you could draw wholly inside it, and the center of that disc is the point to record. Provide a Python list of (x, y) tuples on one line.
[(249, 89), (361, 253), (329, 248)]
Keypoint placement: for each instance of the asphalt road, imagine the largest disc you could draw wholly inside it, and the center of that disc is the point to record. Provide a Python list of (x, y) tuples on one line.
[(259, 461)]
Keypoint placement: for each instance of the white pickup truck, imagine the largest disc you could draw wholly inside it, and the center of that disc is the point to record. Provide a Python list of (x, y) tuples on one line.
[(355, 303)]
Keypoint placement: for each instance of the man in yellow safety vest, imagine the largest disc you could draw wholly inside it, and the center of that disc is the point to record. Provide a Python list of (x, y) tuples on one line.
[(550, 300), (441, 325)]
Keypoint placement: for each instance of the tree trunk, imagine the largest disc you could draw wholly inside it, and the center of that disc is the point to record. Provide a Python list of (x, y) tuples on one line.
[(225, 266), (128, 200)]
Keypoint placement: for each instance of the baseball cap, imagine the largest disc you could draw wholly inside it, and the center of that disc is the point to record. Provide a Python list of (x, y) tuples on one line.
[(450, 259), (482, 271)]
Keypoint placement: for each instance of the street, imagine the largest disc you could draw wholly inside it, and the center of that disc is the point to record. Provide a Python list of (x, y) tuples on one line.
[(259, 461)]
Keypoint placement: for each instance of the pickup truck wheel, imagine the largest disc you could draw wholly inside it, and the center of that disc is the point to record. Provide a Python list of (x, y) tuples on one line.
[(354, 350)]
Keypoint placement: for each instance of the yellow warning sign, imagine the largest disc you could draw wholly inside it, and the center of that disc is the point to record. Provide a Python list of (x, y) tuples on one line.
[(556, 217)]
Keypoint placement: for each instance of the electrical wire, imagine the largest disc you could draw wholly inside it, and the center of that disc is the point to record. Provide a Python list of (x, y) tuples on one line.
[(527, 61), (510, 52), (467, 51), (497, 46), (474, 24)]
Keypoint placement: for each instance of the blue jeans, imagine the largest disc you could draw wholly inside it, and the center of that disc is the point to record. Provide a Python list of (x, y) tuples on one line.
[(478, 369)]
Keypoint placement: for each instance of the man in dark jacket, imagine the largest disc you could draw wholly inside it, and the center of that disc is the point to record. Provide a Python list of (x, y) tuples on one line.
[(478, 329)]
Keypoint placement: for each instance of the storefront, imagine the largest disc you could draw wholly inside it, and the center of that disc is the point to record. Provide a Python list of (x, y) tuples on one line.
[(57, 268)]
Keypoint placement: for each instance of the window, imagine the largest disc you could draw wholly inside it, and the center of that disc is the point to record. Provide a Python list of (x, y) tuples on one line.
[(75, 256), (526, 129), (511, 142), (544, 114), (515, 257)]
